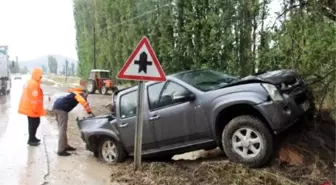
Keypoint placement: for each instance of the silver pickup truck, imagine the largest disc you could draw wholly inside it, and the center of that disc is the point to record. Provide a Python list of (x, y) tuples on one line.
[(202, 109)]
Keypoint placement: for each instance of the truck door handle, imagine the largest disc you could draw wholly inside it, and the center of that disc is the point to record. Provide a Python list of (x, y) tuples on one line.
[(155, 117), (123, 125)]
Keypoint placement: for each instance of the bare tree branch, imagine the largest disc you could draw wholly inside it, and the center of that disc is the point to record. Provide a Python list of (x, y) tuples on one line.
[(286, 11)]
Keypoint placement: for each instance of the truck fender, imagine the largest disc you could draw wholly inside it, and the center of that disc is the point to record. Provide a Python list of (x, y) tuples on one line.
[(102, 132), (228, 100)]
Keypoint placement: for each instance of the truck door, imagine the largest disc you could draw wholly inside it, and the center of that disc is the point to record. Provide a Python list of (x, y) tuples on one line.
[(126, 113), (173, 119)]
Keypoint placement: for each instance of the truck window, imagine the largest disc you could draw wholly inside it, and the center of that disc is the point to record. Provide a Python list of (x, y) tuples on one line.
[(153, 92), (166, 98), (128, 104)]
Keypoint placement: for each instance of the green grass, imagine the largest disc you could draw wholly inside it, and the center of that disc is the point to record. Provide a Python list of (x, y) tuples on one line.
[(63, 79), (46, 82)]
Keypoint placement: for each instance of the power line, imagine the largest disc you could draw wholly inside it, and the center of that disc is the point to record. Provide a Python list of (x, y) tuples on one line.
[(143, 14)]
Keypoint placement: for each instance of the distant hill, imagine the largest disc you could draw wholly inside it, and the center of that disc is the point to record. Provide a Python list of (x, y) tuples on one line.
[(43, 60)]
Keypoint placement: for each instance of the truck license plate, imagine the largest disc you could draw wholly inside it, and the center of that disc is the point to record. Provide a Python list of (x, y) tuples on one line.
[(305, 106)]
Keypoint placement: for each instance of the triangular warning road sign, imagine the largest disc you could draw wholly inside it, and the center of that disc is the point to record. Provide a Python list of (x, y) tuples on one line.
[(142, 65)]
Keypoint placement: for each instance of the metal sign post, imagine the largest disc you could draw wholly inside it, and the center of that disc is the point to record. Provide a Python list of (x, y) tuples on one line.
[(141, 66), (138, 127)]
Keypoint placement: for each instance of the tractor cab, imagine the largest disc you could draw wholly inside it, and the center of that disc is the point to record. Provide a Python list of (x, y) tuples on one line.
[(100, 79)]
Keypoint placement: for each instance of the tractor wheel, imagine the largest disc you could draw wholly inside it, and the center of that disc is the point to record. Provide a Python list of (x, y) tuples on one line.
[(91, 86), (104, 90)]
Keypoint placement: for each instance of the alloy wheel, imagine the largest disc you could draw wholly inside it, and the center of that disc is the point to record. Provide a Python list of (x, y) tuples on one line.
[(247, 142), (109, 151)]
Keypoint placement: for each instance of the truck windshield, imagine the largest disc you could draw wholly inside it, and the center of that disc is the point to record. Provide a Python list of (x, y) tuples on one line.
[(206, 80)]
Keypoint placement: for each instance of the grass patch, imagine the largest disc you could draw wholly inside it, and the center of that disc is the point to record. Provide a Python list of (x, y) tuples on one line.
[(63, 79), (210, 172), (47, 82)]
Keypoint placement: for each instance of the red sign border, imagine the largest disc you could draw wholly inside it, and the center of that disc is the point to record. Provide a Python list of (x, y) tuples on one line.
[(122, 75)]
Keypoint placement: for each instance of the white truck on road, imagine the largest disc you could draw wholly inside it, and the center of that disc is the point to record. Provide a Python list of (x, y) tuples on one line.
[(5, 76)]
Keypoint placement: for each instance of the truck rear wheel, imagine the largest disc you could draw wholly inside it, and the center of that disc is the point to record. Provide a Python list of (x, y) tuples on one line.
[(3, 92), (91, 86), (248, 141)]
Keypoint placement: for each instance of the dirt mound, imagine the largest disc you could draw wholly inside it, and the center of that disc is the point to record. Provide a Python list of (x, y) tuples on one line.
[(305, 156), (220, 172)]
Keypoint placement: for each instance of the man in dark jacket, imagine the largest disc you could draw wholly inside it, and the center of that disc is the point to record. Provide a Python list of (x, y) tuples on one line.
[(62, 107)]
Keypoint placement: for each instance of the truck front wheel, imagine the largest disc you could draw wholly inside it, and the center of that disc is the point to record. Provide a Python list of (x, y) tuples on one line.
[(248, 141), (110, 151)]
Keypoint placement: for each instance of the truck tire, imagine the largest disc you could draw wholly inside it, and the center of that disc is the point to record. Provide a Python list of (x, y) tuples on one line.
[(248, 141), (91, 86), (3, 92), (110, 151)]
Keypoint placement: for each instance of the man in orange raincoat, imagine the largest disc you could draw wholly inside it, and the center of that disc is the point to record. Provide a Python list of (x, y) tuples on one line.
[(31, 105)]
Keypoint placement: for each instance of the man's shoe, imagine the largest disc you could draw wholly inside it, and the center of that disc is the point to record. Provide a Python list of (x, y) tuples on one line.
[(70, 148), (64, 153), (36, 140), (33, 143)]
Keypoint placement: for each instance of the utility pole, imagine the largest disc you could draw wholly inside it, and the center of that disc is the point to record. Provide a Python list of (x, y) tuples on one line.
[(94, 33), (17, 69), (94, 46), (66, 69)]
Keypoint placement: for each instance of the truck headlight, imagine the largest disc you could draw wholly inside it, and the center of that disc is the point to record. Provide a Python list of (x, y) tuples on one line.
[(273, 92)]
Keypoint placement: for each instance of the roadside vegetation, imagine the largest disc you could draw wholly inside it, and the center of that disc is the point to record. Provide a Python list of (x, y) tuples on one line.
[(235, 37), (57, 79)]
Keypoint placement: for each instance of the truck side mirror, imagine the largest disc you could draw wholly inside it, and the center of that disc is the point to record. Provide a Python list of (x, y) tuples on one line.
[(189, 97)]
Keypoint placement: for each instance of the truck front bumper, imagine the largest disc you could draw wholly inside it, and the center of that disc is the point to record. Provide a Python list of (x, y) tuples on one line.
[(283, 114)]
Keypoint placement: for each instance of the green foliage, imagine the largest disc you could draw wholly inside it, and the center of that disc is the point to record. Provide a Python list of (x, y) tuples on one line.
[(232, 36), (68, 69), (44, 69), (52, 64), (72, 69), (24, 70)]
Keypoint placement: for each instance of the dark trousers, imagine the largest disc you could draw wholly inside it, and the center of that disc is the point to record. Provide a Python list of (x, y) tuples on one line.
[(33, 124)]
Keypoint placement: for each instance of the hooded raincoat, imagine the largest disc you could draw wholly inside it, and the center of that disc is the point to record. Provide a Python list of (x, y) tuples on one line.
[(31, 103)]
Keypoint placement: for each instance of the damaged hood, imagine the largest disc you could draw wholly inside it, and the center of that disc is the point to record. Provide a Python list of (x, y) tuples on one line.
[(287, 76)]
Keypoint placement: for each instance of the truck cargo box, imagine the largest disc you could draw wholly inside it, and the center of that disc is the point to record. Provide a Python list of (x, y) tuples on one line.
[(4, 66)]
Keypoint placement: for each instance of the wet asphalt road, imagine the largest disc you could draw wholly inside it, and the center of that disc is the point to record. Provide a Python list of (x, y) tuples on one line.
[(21, 164)]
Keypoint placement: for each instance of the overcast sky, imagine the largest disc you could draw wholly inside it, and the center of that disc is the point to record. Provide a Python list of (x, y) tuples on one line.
[(33, 28)]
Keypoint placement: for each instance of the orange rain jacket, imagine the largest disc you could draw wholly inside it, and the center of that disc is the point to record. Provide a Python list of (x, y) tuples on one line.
[(31, 103), (70, 101)]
